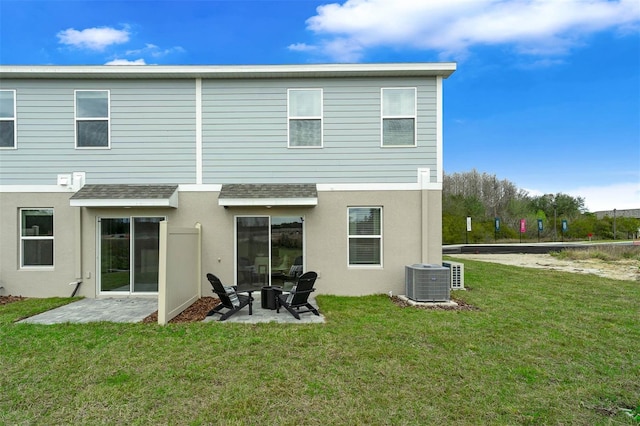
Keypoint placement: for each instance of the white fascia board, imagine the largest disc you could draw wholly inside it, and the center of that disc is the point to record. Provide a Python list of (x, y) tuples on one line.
[(125, 202), (192, 187), (165, 202), (261, 202), (337, 187), (415, 69), (36, 188)]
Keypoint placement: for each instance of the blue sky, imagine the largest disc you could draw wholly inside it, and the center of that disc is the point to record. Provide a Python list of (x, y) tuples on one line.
[(546, 95)]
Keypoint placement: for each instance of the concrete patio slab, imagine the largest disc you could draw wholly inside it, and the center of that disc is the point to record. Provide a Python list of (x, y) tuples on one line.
[(268, 315), (133, 309)]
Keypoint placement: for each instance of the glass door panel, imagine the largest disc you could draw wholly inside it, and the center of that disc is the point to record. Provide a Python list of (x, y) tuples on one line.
[(286, 250), (129, 254), (252, 250), (146, 251), (115, 259)]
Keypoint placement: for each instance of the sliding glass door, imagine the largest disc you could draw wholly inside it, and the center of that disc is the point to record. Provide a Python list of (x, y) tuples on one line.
[(269, 249), (129, 254)]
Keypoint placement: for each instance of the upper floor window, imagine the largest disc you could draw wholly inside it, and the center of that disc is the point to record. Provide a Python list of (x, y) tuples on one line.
[(92, 119), (7, 118), (305, 118), (36, 237), (365, 236), (399, 116)]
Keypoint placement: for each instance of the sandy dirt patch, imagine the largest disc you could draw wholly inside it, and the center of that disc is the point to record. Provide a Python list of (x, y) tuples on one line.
[(628, 270)]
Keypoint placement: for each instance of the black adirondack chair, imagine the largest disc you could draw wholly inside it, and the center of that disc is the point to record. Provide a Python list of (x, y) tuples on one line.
[(299, 296), (229, 299)]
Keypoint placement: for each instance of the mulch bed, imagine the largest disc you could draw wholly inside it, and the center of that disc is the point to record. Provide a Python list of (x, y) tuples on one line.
[(196, 312), (462, 305), (5, 300)]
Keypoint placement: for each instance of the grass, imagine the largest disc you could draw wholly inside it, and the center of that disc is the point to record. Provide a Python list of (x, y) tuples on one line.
[(545, 348), (609, 253)]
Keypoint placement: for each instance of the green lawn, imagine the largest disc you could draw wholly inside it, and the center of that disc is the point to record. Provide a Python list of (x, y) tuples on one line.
[(544, 348)]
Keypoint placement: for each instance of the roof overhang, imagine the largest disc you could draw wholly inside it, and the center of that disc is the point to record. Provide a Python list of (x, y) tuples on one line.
[(417, 69), (117, 195), (268, 195)]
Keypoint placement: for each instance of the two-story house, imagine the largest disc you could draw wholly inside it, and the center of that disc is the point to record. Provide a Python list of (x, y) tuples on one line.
[(332, 168)]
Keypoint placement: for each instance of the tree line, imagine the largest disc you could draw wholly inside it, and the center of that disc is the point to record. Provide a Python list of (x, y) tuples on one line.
[(497, 209)]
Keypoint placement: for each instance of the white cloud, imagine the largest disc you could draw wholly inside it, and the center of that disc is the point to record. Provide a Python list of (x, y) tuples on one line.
[(301, 47), (452, 27), (93, 38), (619, 196), (154, 51), (126, 62)]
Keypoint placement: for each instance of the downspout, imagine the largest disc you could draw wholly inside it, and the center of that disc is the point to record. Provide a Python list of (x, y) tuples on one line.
[(78, 182), (199, 259)]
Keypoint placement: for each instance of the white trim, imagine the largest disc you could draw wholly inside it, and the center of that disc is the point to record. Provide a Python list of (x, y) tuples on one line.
[(198, 131), (76, 118), (380, 236), (414, 117), (34, 188), (132, 259), (122, 202), (189, 187), (37, 238), (14, 119), (416, 69), (267, 202), (439, 132), (339, 187), (321, 187), (302, 117)]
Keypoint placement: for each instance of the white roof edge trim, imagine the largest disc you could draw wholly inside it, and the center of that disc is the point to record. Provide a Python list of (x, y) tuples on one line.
[(261, 202), (36, 188), (224, 71), (195, 187), (321, 187), (123, 202), (331, 187)]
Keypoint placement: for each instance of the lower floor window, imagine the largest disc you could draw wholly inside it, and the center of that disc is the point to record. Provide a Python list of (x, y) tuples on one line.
[(365, 236), (36, 237)]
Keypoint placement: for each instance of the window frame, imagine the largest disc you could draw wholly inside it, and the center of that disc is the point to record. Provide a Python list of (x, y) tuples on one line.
[(78, 119), (13, 119), (371, 236), (320, 118), (24, 238), (413, 116)]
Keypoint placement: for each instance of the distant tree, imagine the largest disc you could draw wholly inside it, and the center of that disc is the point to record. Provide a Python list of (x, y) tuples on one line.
[(484, 197)]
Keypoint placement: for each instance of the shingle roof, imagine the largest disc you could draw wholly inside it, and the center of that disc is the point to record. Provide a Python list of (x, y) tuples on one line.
[(120, 195), (268, 194), (245, 190), (118, 191)]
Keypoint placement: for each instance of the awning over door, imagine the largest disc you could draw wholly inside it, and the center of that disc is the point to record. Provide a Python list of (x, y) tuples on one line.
[(304, 194), (126, 196)]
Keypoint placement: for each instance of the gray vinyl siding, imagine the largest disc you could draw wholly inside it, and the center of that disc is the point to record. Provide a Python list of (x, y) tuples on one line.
[(152, 133), (245, 133)]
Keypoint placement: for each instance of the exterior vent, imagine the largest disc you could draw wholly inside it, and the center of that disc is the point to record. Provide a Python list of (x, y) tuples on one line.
[(427, 283), (457, 274)]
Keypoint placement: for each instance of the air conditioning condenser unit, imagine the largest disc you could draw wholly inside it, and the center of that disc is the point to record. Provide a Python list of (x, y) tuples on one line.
[(427, 283)]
